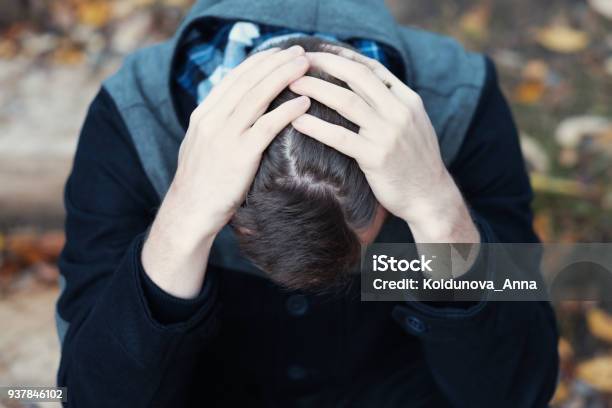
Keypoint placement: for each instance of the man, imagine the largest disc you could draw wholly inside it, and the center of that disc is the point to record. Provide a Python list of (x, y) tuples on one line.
[(160, 307)]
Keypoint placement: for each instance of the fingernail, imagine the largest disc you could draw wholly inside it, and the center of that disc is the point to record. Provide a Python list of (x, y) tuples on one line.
[(298, 121), (296, 50), (303, 100)]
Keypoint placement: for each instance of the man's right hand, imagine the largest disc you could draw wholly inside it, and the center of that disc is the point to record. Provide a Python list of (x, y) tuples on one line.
[(218, 159)]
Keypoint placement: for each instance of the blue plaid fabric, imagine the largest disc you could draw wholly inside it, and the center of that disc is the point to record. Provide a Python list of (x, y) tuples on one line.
[(206, 56)]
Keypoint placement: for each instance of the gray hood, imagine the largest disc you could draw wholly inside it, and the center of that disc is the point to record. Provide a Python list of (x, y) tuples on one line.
[(448, 78)]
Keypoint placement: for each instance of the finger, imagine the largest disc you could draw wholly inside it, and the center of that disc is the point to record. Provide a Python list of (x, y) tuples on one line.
[(334, 136), (265, 129), (375, 66), (232, 75), (395, 85), (342, 100), (256, 101), (359, 77), (252, 77)]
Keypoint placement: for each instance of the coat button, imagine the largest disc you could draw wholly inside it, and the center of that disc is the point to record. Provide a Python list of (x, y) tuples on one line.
[(296, 372), (297, 305), (417, 325)]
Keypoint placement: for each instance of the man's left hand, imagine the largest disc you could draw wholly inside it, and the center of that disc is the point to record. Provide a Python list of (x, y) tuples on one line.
[(396, 147)]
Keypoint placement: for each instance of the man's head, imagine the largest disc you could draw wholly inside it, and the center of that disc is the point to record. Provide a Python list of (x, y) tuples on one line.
[(310, 208)]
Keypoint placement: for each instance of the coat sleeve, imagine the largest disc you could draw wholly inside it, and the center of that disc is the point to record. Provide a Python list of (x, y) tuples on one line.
[(124, 341), (490, 354)]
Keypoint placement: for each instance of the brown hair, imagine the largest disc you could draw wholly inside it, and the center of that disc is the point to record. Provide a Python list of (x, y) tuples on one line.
[(299, 221)]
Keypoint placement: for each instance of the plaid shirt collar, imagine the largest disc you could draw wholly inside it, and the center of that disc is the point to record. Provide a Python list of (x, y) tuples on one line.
[(206, 56)]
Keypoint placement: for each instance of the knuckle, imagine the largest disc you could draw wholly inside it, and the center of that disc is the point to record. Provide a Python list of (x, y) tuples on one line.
[(194, 117), (377, 65), (403, 117), (363, 70), (263, 126), (415, 100), (351, 100)]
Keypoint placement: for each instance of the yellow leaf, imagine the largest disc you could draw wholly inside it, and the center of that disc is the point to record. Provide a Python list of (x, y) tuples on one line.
[(475, 22), (572, 130), (535, 155), (597, 372), (94, 13), (68, 54), (553, 185), (566, 352), (543, 226), (8, 48), (561, 393), (535, 70), (562, 38), (600, 324), (529, 92)]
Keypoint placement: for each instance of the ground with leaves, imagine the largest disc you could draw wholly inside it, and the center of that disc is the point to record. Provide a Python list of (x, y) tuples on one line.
[(554, 61)]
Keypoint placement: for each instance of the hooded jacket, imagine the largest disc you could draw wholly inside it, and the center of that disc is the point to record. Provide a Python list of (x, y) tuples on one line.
[(244, 339)]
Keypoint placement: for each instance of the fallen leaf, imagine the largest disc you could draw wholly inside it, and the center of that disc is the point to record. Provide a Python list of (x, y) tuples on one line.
[(561, 393), (529, 92), (568, 157), (600, 324), (566, 351), (51, 244), (555, 185), (475, 21), (8, 272), (562, 38), (597, 372), (131, 32), (535, 70), (30, 248), (94, 13), (68, 54), (542, 225), (508, 59), (178, 3), (23, 246), (535, 155), (45, 272), (8, 48), (603, 7), (572, 130), (602, 140)]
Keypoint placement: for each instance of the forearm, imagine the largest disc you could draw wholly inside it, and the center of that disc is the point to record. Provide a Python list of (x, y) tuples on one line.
[(116, 352), (175, 253), (443, 218)]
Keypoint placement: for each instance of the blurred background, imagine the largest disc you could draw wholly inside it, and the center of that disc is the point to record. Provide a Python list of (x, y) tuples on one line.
[(554, 59)]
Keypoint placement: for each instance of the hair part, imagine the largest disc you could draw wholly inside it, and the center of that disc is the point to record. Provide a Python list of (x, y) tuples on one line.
[(300, 219)]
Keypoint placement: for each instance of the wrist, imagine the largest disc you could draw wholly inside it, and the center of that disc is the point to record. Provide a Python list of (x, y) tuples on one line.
[(175, 252), (182, 218), (442, 216)]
